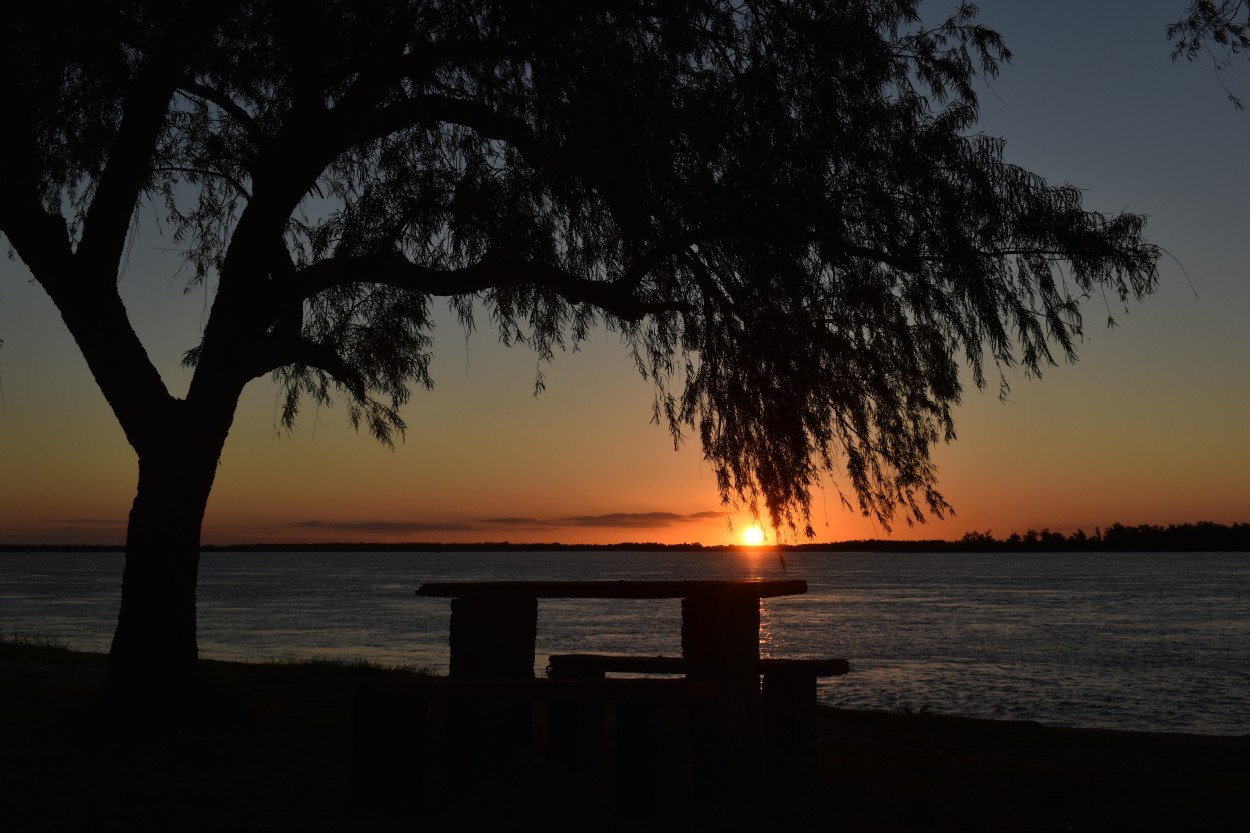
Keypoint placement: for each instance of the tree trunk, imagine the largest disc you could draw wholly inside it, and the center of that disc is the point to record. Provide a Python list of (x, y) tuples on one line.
[(154, 648)]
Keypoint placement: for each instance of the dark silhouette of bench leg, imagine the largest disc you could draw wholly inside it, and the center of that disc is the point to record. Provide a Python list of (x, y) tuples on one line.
[(575, 725), (489, 735), (493, 638), (789, 709), (720, 641)]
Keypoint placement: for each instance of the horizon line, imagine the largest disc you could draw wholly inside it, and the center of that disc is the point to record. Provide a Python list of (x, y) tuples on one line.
[(1234, 537)]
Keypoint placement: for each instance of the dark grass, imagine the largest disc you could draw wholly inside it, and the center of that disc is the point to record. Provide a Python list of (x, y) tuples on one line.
[(269, 747)]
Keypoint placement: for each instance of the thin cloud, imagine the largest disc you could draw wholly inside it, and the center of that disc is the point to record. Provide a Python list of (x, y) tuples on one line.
[(611, 520), (75, 522), (632, 519), (388, 526), (524, 523)]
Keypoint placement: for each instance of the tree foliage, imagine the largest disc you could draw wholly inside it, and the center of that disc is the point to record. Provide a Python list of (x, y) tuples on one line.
[(1224, 25), (784, 208)]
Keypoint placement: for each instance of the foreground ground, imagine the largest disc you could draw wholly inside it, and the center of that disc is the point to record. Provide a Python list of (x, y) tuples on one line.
[(269, 747)]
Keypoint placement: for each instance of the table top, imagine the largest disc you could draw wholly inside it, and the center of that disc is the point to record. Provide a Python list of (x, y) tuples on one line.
[(759, 588)]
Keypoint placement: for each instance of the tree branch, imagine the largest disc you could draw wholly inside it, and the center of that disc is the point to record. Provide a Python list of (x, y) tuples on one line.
[(227, 105), (281, 351), (40, 238), (127, 171), (492, 272), (418, 65), (203, 172)]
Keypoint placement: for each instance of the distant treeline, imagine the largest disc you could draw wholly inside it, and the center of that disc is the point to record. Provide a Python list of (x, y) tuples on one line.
[(1198, 537)]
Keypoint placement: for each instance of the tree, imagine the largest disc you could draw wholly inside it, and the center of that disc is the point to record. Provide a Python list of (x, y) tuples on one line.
[(782, 207), (1224, 24), (1207, 22)]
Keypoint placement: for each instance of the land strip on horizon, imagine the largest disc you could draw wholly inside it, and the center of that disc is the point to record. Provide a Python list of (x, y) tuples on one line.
[(1203, 536)]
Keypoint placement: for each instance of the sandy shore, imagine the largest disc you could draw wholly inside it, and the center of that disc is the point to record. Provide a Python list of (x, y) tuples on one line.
[(270, 748)]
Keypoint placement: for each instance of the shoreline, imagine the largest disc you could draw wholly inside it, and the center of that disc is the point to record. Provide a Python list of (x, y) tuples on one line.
[(1200, 537), (88, 657), (272, 750)]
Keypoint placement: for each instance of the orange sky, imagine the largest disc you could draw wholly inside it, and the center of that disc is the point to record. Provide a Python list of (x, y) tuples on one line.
[(1147, 428)]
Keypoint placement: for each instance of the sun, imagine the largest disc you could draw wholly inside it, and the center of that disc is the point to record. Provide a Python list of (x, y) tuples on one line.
[(753, 535)]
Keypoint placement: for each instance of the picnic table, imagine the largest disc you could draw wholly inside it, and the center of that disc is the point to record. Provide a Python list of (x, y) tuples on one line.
[(494, 624), (704, 721)]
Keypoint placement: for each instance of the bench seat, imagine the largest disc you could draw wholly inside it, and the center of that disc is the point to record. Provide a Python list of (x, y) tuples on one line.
[(787, 699)]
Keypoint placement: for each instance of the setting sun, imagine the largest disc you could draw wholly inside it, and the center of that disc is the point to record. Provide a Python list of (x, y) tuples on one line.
[(753, 535)]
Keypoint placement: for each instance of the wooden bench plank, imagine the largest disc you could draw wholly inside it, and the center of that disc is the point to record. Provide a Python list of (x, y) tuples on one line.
[(802, 667)]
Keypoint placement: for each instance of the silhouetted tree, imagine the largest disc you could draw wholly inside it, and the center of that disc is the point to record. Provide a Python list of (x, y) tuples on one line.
[(1212, 27), (783, 207), (978, 540)]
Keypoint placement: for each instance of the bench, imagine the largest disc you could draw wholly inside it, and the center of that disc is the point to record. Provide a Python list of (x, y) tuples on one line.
[(490, 724), (788, 697)]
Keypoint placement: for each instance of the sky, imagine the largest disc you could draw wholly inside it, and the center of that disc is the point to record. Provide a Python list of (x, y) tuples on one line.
[(1148, 427)]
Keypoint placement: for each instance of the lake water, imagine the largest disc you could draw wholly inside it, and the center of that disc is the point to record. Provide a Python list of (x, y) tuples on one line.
[(1151, 641)]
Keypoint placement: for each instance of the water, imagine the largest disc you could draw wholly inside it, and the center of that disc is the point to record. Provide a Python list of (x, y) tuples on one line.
[(1157, 642)]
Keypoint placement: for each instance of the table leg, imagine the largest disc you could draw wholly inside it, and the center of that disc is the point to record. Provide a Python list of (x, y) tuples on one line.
[(493, 638), (720, 639), (489, 734), (720, 635)]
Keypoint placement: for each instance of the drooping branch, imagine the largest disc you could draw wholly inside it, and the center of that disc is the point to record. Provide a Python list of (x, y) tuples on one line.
[(1208, 22)]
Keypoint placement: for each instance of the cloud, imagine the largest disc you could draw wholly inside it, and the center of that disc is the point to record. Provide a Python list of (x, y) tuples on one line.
[(612, 520), (512, 521), (634, 519), (388, 526)]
